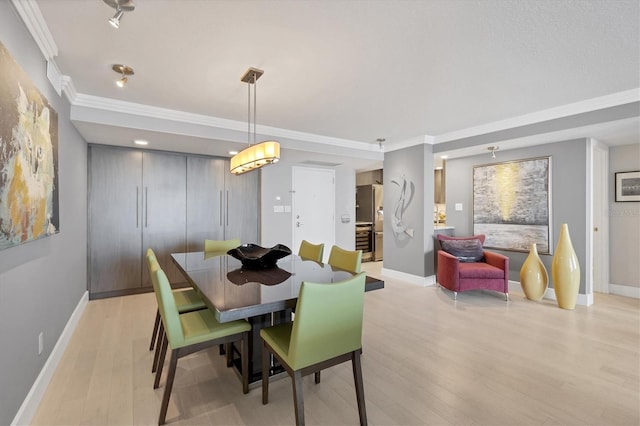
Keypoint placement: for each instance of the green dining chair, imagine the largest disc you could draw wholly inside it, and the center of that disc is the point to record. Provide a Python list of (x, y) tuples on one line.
[(311, 251), (349, 260), (186, 301), (326, 331), (221, 246), (192, 332)]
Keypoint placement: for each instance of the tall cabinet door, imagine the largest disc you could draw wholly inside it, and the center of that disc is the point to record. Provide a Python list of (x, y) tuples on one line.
[(164, 210), (115, 219), (242, 205), (205, 201)]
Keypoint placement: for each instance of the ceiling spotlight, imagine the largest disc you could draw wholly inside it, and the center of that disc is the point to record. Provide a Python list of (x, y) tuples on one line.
[(493, 150), (380, 142), (124, 71), (121, 6)]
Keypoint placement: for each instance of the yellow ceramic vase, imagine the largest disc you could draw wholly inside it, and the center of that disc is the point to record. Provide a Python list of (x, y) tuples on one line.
[(533, 275), (565, 271)]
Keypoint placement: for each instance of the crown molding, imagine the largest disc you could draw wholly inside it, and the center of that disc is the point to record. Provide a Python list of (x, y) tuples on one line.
[(593, 104), (407, 143), (135, 109), (34, 21)]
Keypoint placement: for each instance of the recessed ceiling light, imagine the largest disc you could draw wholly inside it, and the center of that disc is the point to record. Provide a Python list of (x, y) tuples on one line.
[(140, 142), (444, 156), (233, 152)]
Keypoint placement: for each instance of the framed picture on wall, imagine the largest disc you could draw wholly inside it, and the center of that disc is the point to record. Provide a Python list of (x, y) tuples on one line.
[(512, 204), (28, 158), (627, 186)]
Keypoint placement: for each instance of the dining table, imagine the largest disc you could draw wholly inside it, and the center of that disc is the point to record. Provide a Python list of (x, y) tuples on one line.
[(263, 296)]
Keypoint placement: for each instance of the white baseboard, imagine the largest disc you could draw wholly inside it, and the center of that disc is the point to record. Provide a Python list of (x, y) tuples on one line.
[(624, 290), (34, 397), (410, 278), (582, 300)]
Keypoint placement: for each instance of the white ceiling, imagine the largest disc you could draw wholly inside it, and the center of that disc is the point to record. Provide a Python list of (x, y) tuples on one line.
[(344, 72)]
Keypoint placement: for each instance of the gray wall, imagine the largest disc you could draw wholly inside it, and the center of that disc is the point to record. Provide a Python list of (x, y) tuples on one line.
[(624, 221), (568, 196), (41, 282), (401, 253)]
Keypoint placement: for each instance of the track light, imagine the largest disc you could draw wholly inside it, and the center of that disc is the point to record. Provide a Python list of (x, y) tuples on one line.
[(121, 6), (124, 71), (493, 150), (115, 21)]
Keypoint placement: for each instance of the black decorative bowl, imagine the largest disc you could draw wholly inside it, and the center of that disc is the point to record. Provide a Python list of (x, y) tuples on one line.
[(253, 256)]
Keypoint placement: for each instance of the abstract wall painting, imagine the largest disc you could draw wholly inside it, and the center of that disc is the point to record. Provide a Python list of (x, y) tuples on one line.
[(28, 158), (512, 204)]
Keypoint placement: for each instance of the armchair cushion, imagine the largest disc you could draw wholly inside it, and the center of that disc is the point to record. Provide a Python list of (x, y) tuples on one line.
[(466, 250)]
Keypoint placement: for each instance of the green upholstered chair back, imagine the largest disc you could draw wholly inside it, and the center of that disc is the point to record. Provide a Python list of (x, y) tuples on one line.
[(311, 251), (349, 260), (222, 246), (328, 321), (168, 310), (152, 265)]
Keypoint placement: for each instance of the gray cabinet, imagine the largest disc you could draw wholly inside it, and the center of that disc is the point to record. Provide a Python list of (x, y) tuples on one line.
[(242, 205), (136, 200), (169, 202), (205, 198), (115, 201), (219, 204), (164, 209)]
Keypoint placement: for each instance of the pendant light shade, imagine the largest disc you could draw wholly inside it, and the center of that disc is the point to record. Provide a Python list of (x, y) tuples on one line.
[(255, 155)]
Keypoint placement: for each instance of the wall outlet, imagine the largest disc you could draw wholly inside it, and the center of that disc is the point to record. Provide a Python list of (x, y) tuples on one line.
[(40, 343), (458, 207)]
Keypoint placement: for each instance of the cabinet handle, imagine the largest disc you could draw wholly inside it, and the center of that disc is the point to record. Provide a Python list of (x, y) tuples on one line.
[(137, 206), (227, 206), (221, 208), (146, 206)]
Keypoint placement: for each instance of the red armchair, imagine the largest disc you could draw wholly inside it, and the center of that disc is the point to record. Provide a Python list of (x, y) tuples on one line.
[(464, 265)]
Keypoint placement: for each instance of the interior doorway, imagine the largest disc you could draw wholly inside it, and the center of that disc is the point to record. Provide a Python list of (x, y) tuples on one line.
[(313, 207)]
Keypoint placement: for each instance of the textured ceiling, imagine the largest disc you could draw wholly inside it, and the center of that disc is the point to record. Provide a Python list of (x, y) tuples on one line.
[(355, 70)]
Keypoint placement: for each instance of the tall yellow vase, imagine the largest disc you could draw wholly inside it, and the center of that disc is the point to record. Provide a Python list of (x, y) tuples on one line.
[(565, 271), (533, 275)]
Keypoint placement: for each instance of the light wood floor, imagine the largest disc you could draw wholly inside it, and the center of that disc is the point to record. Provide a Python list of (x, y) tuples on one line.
[(427, 360)]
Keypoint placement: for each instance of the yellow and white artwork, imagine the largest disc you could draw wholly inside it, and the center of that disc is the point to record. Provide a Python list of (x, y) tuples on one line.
[(28, 158)]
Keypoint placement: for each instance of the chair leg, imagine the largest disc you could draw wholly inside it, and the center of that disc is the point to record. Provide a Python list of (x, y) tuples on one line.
[(163, 353), (265, 374), (229, 354), (357, 377), (298, 401), (317, 377), (159, 339), (154, 335), (244, 359), (455, 295), (167, 388), (506, 297)]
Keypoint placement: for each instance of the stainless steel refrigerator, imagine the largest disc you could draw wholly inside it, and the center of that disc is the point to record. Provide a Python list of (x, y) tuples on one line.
[(370, 215)]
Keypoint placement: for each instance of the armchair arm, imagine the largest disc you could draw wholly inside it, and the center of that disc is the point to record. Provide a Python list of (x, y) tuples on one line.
[(499, 261), (448, 271)]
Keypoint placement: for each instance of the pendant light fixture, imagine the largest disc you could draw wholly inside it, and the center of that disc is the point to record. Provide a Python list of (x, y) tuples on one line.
[(256, 155)]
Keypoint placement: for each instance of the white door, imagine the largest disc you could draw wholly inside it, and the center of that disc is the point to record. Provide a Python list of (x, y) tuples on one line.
[(600, 221), (313, 207)]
